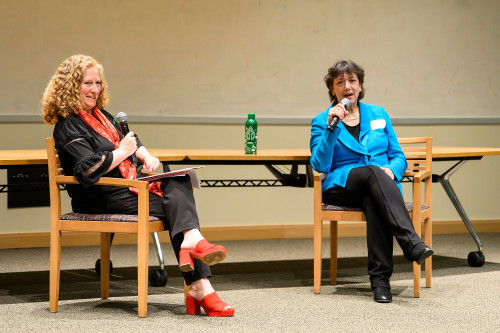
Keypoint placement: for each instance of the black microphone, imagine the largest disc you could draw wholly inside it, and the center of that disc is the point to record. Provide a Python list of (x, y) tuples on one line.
[(345, 103), (122, 119)]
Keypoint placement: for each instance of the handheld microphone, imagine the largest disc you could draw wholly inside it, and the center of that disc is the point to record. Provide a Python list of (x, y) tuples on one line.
[(122, 119), (345, 103)]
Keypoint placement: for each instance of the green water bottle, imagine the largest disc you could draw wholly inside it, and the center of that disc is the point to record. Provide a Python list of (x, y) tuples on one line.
[(251, 135)]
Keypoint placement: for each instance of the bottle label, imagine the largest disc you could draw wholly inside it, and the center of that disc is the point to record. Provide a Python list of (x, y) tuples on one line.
[(250, 140)]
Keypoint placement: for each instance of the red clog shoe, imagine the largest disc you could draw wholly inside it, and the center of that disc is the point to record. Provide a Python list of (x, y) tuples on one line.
[(210, 254), (212, 304)]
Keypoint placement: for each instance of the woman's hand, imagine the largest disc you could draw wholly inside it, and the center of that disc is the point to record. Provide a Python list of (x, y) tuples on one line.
[(150, 163), (337, 111), (388, 172), (128, 145)]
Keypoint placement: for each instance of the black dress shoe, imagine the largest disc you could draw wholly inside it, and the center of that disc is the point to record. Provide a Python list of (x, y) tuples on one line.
[(420, 252), (382, 295)]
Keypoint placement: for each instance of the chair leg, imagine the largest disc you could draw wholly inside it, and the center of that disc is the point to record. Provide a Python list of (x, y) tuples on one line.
[(428, 261), (186, 290), (55, 269), (333, 251), (142, 273), (317, 254), (105, 254), (416, 268), (416, 280)]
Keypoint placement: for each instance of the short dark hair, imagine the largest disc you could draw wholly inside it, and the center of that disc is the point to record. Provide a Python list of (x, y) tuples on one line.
[(338, 69)]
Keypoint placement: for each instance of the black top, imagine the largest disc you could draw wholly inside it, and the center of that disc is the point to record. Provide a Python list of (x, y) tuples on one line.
[(354, 130), (86, 155)]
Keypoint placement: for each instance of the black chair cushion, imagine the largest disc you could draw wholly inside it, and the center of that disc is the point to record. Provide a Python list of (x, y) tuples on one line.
[(105, 217), (409, 207)]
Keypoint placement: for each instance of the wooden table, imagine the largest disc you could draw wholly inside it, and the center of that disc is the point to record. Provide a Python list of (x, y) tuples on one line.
[(25, 159), (233, 155), (22, 157), (462, 153), (39, 156), (270, 158)]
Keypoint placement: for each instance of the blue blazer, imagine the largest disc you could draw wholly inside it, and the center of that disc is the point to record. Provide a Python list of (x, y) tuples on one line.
[(336, 153)]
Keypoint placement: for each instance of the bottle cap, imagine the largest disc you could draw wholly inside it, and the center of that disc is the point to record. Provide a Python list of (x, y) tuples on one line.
[(251, 116)]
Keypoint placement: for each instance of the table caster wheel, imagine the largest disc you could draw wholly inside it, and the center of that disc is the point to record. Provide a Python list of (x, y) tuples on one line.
[(158, 277), (476, 259), (98, 267)]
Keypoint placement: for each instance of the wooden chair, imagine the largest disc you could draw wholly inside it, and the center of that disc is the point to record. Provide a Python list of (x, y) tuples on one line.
[(418, 152), (141, 224)]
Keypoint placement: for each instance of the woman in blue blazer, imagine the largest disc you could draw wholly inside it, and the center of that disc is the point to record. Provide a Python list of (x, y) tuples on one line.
[(363, 163)]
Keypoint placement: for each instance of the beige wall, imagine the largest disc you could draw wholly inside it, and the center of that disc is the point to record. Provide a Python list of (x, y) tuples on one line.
[(226, 58), (476, 183), (423, 58)]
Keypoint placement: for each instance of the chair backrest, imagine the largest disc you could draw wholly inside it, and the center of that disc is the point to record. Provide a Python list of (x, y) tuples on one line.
[(418, 153), (53, 157), (55, 169)]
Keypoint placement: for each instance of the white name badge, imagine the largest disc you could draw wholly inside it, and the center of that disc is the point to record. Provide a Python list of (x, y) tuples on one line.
[(378, 123)]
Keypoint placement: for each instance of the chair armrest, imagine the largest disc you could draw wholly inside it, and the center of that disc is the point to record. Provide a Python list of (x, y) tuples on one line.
[(318, 194), (319, 176), (142, 198), (422, 175), (139, 184)]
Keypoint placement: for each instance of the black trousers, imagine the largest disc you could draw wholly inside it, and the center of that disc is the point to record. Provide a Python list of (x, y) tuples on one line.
[(177, 209), (370, 188)]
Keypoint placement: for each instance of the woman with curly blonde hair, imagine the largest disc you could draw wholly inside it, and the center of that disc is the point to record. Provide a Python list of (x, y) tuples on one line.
[(61, 97), (90, 145)]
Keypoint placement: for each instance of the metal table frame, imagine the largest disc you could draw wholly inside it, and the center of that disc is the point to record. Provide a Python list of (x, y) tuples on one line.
[(475, 259), (292, 178)]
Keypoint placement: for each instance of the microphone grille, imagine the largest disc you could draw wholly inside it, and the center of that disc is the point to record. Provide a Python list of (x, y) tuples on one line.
[(121, 116), (345, 102)]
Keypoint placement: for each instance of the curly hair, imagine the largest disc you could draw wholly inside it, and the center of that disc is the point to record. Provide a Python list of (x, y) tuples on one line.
[(338, 69), (62, 95)]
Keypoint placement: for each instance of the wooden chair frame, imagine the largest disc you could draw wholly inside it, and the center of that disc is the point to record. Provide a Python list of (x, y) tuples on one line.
[(142, 228), (418, 152)]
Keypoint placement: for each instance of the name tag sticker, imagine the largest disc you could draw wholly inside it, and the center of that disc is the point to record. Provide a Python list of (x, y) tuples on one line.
[(378, 123)]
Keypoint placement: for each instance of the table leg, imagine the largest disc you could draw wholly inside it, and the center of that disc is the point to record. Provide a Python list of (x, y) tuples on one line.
[(166, 167), (309, 176), (289, 179), (475, 259)]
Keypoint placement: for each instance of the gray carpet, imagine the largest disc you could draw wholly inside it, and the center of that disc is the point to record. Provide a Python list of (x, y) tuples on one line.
[(268, 282)]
